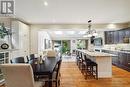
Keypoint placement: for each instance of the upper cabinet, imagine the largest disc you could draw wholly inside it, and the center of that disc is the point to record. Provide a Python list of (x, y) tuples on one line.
[(119, 36), (109, 37), (20, 38)]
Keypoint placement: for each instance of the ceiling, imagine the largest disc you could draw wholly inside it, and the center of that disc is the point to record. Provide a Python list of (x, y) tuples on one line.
[(72, 11), (67, 34)]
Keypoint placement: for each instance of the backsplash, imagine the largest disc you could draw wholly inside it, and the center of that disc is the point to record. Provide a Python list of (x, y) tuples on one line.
[(117, 47)]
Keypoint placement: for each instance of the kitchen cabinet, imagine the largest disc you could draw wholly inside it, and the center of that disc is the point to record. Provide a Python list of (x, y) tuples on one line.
[(128, 60), (20, 39), (4, 58), (127, 32), (109, 37), (116, 37), (122, 59), (119, 36)]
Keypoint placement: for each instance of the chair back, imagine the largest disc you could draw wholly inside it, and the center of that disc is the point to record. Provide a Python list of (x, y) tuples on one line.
[(18, 75), (27, 59), (32, 56), (18, 60), (87, 60), (58, 68), (51, 53)]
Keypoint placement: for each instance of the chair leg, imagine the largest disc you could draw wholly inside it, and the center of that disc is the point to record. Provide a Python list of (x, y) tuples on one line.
[(97, 72)]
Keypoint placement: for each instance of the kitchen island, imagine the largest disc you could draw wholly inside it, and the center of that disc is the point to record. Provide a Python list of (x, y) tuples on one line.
[(104, 61)]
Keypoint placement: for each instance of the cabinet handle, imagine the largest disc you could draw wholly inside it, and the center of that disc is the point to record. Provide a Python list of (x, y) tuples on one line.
[(129, 63)]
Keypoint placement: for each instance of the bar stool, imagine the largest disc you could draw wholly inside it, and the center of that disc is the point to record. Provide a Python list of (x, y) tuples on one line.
[(80, 62), (88, 66), (94, 69), (91, 68), (83, 64), (77, 57)]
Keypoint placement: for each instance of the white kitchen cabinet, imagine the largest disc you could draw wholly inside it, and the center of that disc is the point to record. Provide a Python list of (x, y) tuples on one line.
[(20, 39), (4, 58)]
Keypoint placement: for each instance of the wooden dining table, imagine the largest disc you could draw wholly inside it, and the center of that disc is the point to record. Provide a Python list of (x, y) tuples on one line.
[(45, 67)]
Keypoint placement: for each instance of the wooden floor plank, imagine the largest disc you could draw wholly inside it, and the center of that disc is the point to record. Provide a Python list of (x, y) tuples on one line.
[(72, 77)]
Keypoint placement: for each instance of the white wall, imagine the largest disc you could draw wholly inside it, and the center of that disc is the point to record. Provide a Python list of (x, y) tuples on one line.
[(34, 40), (37, 36), (42, 35)]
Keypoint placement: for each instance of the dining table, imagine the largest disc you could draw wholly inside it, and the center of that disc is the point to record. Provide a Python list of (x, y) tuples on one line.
[(44, 67)]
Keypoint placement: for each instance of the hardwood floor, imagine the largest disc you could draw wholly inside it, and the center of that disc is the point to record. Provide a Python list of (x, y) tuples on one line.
[(72, 77)]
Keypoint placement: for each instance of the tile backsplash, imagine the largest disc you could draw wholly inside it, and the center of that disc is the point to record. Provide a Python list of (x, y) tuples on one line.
[(117, 47)]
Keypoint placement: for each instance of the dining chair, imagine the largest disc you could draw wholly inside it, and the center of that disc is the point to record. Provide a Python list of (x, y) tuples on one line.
[(19, 75), (18, 60), (51, 53), (56, 75), (32, 56), (27, 59), (91, 68)]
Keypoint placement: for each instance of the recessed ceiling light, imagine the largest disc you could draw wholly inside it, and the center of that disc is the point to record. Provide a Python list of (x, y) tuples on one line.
[(45, 3), (71, 32), (111, 26), (58, 32)]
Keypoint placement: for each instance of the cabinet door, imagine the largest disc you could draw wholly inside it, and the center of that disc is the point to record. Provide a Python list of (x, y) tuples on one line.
[(106, 37), (121, 36), (127, 32), (115, 58), (123, 59), (116, 37), (24, 39), (128, 60), (120, 61), (109, 37)]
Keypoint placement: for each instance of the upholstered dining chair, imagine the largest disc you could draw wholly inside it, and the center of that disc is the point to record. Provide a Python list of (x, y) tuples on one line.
[(32, 56), (18, 60), (19, 75), (51, 53)]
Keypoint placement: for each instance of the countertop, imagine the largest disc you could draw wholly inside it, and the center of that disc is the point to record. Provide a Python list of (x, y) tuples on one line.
[(97, 54), (122, 51)]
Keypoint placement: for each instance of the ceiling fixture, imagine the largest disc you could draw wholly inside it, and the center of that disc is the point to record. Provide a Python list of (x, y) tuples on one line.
[(90, 32), (45, 3)]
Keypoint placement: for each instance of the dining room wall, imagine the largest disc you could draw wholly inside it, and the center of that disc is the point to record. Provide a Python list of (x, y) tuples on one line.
[(44, 41), (37, 39)]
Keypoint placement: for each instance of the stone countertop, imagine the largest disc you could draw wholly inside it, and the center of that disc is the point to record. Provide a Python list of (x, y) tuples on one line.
[(122, 51), (97, 54)]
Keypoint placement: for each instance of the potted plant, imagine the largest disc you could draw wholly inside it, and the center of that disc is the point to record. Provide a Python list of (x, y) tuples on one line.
[(3, 31)]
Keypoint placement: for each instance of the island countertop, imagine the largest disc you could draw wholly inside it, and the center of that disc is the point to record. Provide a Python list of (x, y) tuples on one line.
[(103, 60), (97, 54)]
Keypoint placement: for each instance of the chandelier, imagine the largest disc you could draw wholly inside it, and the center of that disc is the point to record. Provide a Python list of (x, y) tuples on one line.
[(90, 32)]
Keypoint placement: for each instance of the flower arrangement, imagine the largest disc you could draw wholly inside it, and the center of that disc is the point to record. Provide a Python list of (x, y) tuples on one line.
[(3, 31)]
